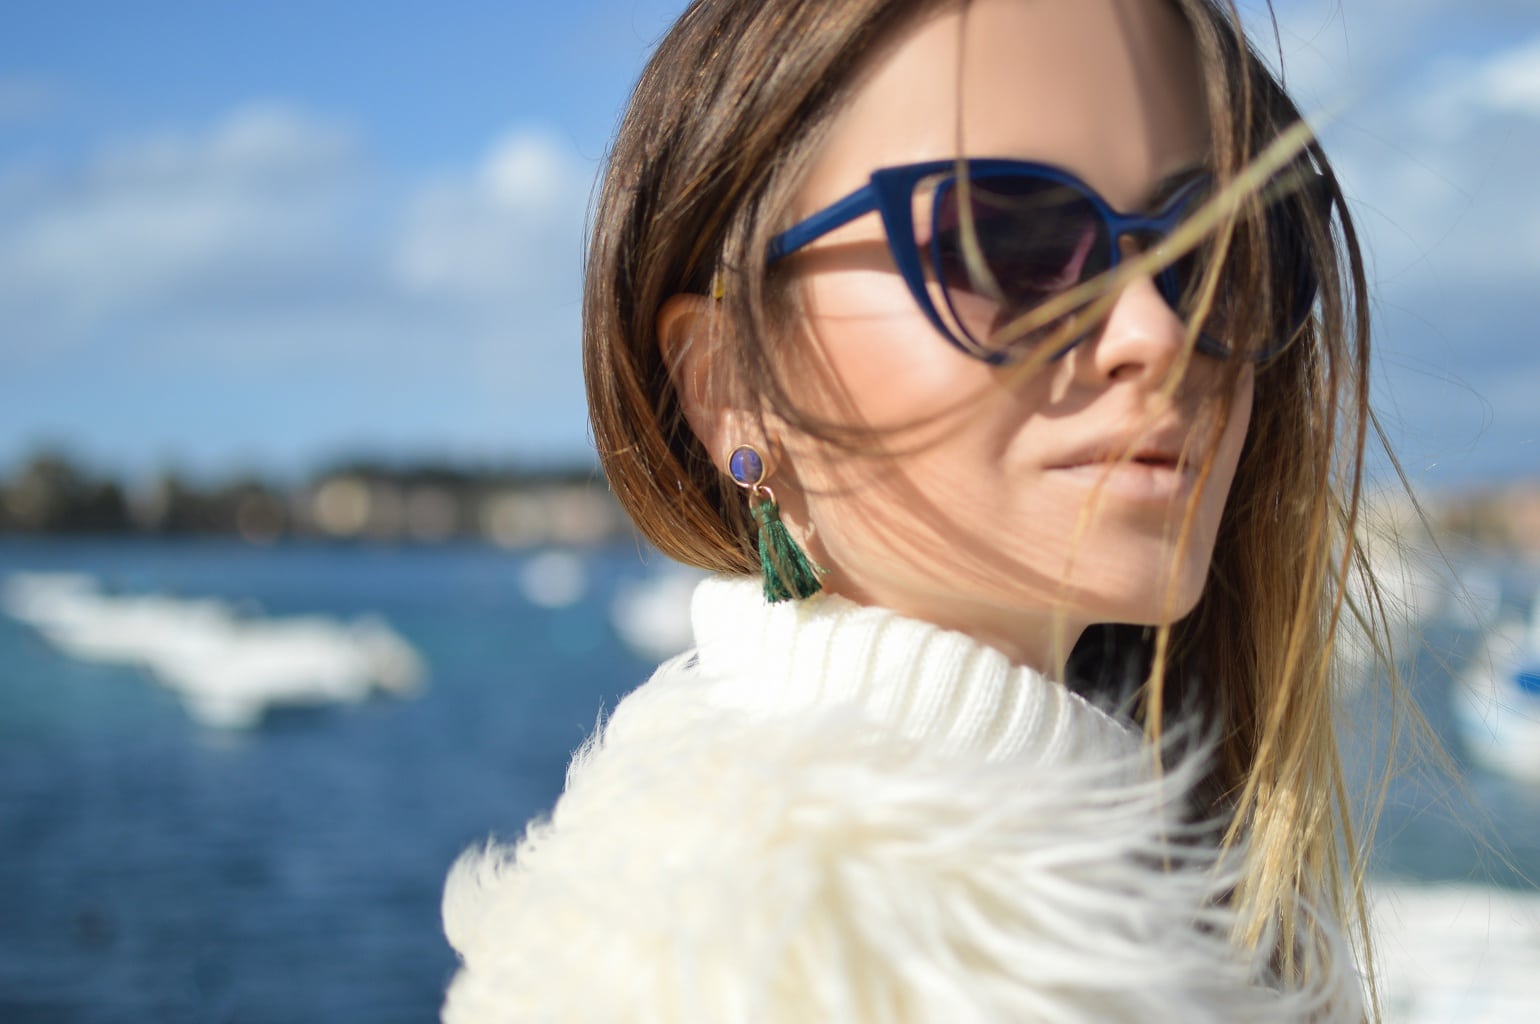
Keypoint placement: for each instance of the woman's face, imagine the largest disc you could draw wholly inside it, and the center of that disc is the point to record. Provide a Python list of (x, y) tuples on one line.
[(1001, 516)]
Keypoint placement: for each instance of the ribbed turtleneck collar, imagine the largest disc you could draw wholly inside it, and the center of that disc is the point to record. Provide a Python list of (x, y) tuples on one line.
[(909, 677)]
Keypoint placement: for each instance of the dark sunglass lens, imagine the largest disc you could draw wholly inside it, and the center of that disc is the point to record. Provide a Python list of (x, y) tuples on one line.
[(1183, 284), (1275, 245), (1003, 245)]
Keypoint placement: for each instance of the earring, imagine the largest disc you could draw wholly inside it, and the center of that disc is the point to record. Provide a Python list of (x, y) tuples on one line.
[(788, 572)]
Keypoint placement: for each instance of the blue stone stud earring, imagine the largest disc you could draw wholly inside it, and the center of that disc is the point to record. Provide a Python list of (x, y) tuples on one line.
[(788, 572), (746, 466)]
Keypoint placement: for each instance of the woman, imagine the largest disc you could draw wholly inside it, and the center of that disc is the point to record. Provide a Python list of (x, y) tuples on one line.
[(1006, 359)]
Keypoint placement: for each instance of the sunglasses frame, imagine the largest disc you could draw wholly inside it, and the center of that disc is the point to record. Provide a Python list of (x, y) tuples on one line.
[(890, 193)]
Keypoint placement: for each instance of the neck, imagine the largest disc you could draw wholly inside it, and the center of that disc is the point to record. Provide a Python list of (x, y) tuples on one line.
[(1041, 641)]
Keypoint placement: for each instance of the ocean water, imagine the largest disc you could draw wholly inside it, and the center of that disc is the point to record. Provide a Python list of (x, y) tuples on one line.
[(155, 869)]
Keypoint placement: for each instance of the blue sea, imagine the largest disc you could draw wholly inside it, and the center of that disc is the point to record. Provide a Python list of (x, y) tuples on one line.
[(152, 869)]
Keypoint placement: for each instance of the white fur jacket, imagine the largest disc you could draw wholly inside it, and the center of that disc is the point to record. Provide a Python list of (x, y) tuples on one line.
[(828, 812)]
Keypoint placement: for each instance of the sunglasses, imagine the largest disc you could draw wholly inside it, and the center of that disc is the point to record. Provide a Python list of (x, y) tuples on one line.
[(979, 255)]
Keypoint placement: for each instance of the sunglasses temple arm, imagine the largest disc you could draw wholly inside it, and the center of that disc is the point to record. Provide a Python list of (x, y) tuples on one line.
[(857, 204)]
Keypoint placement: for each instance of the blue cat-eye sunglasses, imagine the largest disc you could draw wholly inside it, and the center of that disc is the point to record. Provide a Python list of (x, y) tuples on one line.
[(1038, 231)]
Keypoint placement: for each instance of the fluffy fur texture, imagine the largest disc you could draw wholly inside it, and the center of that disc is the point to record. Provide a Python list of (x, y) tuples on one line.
[(711, 862)]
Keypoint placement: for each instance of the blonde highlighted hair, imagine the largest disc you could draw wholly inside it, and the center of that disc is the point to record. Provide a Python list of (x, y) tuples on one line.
[(719, 134)]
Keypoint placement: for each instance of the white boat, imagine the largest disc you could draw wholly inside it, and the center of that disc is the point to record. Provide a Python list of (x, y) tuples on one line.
[(228, 669), (1456, 953), (652, 615), (1497, 700), (554, 579)]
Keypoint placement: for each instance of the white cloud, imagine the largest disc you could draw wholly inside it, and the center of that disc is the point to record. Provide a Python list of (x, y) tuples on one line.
[(1511, 81), (269, 247), (527, 172), (256, 145), (1465, 93), (172, 222), (508, 229), (272, 214)]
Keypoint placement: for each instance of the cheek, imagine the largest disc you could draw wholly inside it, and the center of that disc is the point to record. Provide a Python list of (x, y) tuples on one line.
[(867, 356), (1227, 454)]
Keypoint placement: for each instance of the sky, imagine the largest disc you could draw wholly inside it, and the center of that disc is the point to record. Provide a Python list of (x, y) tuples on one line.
[(258, 237)]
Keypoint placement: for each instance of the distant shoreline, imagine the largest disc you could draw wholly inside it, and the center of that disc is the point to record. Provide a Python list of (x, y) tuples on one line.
[(368, 501)]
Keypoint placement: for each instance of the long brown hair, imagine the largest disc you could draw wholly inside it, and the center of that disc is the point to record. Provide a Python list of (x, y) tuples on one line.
[(719, 134)]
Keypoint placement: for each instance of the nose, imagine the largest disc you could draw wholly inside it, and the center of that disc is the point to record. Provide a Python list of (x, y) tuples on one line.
[(1141, 338)]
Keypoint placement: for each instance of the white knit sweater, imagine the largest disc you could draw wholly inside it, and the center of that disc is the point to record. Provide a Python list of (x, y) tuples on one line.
[(828, 812)]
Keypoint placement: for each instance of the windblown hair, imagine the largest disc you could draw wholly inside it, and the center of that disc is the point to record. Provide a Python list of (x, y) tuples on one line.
[(718, 138)]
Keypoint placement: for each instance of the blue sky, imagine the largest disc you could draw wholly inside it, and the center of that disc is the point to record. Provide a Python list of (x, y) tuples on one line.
[(256, 236)]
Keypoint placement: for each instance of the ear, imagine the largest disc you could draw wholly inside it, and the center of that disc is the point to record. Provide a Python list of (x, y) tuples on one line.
[(691, 340)]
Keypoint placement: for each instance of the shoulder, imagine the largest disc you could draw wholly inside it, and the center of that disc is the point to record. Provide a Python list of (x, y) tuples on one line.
[(708, 864)]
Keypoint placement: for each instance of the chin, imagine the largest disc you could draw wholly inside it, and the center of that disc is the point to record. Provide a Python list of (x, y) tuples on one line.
[(1140, 596)]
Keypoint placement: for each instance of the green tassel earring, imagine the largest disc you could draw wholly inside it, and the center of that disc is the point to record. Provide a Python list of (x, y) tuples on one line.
[(788, 572)]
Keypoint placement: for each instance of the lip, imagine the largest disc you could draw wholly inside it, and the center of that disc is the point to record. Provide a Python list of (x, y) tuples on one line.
[(1151, 466), (1132, 480)]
